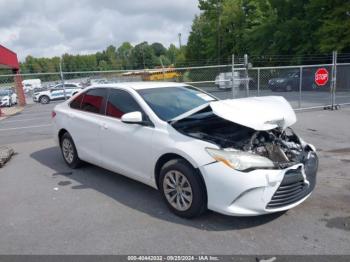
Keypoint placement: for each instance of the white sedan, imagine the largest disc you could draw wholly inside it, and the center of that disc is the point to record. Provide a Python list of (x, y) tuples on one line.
[(237, 157), (7, 98)]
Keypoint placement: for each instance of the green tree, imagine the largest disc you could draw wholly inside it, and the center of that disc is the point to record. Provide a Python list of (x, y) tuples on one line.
[(142, 56), (124, 54), (158, 49)]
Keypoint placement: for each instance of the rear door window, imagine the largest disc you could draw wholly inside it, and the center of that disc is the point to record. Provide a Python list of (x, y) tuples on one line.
[(93, 100), (77, 102)]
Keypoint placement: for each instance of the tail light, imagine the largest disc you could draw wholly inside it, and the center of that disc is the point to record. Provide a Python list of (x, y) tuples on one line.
[(53, 114)]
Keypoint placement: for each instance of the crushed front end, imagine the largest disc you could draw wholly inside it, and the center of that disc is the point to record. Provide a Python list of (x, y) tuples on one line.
[(243, 190)]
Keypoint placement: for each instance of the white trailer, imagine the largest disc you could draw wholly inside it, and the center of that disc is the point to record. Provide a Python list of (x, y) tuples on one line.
[(30, 84)]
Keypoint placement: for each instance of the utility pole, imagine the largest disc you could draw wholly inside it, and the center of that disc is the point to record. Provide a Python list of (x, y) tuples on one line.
[(180, 44)]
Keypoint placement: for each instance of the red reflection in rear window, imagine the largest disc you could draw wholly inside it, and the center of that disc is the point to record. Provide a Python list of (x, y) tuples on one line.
[(92, 103)]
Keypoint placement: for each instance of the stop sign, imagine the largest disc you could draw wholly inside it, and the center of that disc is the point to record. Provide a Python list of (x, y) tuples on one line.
[(321, 76)]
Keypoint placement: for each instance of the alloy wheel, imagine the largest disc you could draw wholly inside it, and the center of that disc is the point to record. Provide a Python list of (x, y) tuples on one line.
[(177, 190), (68, 151)]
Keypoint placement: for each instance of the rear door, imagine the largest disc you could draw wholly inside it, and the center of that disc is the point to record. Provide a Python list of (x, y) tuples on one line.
[(126, 148), (85, 123)]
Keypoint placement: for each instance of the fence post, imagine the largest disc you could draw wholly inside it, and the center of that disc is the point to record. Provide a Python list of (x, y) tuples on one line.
[(300, 85), (258, 81), (62, 79), (334, 80), (233, 76), (246, 74), (161, 62)]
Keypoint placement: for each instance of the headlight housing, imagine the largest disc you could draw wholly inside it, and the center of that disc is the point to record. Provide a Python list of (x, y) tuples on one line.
[(240, 160)]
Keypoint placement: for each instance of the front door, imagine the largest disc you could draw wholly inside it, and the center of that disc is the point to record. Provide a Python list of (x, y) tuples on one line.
[(126, 148)]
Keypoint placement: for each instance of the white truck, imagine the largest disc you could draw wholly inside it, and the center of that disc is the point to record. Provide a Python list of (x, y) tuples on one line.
[(224, 80), (30, 84)]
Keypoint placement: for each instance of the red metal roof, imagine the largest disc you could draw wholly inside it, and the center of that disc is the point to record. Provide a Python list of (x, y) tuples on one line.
[(8, 58)]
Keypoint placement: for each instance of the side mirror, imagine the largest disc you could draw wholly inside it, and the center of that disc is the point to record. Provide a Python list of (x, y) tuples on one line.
[(132, 118)]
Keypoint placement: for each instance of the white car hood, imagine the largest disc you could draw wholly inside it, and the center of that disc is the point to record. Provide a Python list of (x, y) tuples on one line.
[(259, 113)]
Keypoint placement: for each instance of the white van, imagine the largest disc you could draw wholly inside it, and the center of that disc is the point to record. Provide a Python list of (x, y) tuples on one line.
[(224, 80), (30, 84)]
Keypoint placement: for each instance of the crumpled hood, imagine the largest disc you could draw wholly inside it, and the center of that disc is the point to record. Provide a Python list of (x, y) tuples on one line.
[(259, 113)]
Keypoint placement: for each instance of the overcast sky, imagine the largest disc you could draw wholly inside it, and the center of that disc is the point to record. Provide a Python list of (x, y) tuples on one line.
[(52, 27)]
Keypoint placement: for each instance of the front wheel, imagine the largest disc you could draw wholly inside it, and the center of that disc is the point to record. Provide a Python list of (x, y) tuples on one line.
[(44, 100), (182, 189)]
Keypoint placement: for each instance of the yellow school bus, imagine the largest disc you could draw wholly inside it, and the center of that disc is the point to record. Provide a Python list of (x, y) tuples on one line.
[(161, 74), (155, 74)]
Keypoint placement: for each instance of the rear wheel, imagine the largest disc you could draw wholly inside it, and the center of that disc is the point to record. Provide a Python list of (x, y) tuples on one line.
[(44, 100), (69, 151), (289, 88), (182, 188)]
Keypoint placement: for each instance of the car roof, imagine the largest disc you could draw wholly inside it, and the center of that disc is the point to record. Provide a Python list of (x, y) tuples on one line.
[(140, 85)]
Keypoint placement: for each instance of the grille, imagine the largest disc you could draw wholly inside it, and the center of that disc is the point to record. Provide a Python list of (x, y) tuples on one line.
[(292, 189)]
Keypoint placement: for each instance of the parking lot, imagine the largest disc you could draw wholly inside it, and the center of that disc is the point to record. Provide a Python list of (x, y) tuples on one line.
[(47, 208)]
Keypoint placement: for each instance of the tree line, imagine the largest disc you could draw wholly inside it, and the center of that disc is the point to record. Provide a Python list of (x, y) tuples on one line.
[(125, 57)]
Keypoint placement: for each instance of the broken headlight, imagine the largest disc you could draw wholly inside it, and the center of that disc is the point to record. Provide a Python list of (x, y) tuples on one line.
[(240, 160)]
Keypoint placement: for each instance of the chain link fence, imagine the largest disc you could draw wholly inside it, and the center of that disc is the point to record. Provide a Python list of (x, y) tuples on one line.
[(342, 92), (295, 83)]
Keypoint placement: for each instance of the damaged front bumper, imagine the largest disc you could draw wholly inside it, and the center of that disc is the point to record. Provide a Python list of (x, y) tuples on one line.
[(260, 191)]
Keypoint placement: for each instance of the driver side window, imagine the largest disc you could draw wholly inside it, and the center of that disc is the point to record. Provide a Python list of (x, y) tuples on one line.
[(120, 102)]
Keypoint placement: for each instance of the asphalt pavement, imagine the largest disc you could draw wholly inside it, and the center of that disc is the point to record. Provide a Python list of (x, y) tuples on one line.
[(47, 208)]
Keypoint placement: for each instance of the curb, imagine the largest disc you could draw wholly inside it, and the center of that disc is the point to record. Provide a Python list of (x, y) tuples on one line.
[(20, 109), (5, 155)]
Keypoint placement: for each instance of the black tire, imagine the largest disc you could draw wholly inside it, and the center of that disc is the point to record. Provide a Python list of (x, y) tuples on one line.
[(199, 198), (74, 160), (288, 88), (44, 100)]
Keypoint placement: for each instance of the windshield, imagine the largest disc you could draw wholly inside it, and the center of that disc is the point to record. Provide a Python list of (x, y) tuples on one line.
[(170, 102), (4, 92)]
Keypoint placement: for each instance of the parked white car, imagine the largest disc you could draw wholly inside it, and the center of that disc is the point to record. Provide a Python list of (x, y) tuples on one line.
[(237, 157), (56, 93), (7, 98)]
